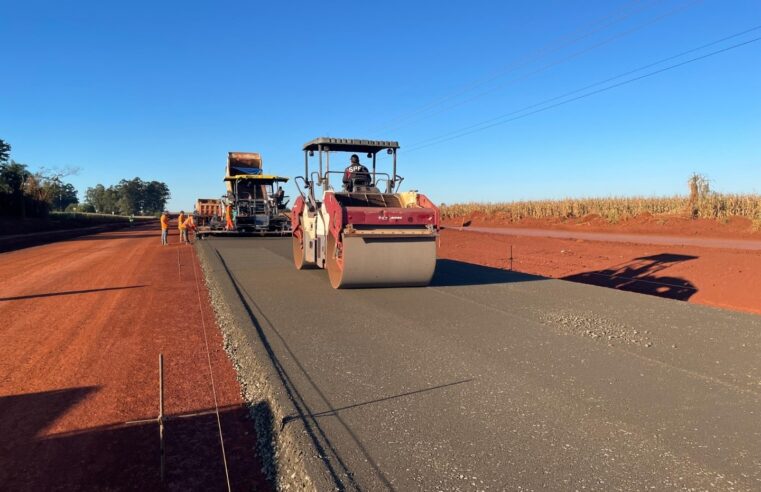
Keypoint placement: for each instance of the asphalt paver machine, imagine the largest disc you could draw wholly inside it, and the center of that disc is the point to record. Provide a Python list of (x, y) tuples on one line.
[(369, 235), (254, 201), (256, 205)]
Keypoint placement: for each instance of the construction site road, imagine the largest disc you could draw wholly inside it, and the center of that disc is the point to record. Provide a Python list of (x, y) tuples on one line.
[(497, 380)]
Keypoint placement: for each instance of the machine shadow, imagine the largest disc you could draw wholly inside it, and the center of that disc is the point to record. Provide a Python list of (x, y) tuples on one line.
[(333, 412), (68, 293), (451, 273), (641, 275), (125, 235), (122, 456)]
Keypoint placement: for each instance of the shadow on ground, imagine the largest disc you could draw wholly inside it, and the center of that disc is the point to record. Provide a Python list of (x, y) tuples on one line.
[(450, 273), (68, 293), (123, 456), (642, 275), (126, 234)]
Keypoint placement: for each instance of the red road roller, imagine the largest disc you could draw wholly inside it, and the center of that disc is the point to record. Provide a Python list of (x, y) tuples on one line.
[(366, 233)]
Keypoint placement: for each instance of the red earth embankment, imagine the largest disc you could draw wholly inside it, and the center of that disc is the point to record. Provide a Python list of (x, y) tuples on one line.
[(83, 323), (722, 277), (666, 225)]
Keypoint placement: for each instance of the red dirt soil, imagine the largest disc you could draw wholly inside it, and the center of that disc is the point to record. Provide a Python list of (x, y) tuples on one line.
[(83, 323), (724, 278), (667, 225)]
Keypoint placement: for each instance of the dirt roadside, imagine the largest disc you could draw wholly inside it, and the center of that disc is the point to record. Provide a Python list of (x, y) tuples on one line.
[(663, 225), (83, 323), (726, 278)]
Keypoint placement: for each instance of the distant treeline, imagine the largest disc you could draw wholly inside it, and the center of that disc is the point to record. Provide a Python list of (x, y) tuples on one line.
[(133, 196), (35, 194)]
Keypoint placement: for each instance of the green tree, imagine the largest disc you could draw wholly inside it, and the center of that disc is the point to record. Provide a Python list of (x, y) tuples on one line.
[(59, 194), (155, 197), (104, 200), (5, 151), (13, 178), (131, 195), (13, 175)]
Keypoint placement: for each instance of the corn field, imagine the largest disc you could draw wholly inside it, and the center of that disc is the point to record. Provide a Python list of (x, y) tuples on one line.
[(700, 203)]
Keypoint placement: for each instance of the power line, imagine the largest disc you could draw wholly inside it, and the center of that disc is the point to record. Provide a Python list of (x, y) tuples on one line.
[(461, 133), (530, 57), (570, 57), (610, 79)]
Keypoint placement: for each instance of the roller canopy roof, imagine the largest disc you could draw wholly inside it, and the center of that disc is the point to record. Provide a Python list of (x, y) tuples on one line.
[(351, 145), (266, 178)]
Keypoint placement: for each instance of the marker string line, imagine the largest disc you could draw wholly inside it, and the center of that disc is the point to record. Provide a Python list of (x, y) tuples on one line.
[(211, 376)]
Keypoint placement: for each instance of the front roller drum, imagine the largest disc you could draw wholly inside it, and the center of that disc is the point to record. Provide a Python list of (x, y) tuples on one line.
[(381, 262)]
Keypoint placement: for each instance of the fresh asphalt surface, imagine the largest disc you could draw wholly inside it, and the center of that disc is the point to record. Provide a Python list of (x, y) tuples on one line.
[(496, 380)]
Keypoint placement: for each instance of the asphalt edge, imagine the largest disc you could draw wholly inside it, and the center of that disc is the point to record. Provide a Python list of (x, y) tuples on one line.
[(280, 447)]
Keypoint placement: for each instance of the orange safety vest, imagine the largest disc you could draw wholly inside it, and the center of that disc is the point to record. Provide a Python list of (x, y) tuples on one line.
[(181, 222), (189, 223), (164, 222)]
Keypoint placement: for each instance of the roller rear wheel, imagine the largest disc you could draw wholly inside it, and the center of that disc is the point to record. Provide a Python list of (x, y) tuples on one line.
[(332, 265), (299, 255)]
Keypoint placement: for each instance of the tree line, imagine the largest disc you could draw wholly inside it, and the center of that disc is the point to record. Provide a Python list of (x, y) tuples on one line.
[(24, 193), (133, 196)]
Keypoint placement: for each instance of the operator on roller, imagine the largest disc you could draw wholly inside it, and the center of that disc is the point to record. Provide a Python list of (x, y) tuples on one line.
[(355, 174), (278, 197)]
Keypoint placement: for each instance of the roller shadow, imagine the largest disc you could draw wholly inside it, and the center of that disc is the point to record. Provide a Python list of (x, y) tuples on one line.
[(450, 273), (641, 275)]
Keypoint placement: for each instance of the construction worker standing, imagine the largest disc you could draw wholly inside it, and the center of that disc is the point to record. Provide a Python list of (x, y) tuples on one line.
[(164, 228), (181, 227), (229, 217), (190, 225)]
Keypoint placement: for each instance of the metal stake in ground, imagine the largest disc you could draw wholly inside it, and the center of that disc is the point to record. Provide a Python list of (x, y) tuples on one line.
[(161, 413)]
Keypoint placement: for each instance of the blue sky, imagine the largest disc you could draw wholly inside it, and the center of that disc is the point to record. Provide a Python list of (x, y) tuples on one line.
[(163, 90)]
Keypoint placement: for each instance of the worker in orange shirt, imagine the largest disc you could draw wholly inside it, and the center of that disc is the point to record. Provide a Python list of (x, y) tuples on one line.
[(190, 225), (181, 227), (164, 228), (229, 216)]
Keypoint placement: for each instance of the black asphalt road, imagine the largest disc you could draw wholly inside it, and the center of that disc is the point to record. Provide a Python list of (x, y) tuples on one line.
[(492, 380)]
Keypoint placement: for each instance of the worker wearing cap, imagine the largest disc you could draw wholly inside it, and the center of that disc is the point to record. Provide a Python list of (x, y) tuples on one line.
[(164, 228), (181, 227), (356, 173), (190, 225)]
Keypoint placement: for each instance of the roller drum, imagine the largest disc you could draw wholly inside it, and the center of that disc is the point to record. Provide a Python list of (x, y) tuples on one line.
[(382, 262)]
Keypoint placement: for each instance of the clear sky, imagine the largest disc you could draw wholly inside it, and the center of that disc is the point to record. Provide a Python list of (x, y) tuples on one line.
[(163, 90)]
